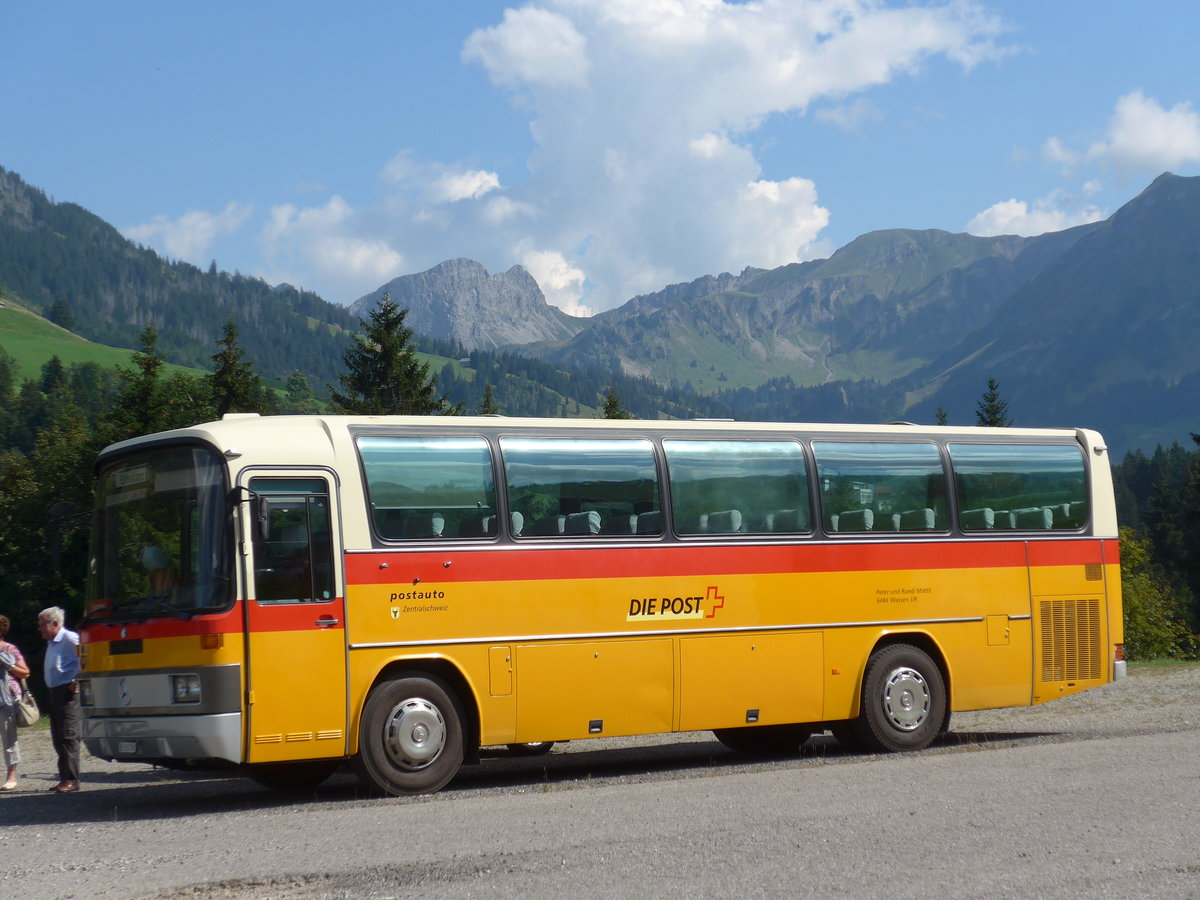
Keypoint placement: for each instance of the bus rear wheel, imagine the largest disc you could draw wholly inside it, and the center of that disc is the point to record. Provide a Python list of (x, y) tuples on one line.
[(411, 738), (764, 739), (903, 700)]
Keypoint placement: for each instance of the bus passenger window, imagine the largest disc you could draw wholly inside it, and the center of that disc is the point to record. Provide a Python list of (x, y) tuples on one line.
[(878, 486), (1021, 487), (582, 487), (429, 488), (738, 487)]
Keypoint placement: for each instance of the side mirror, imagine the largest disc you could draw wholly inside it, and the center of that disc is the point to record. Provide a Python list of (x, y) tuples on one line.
[(262, 517)]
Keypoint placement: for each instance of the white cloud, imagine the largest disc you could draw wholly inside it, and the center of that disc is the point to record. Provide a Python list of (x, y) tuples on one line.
[(1055, 212), (453, 187), (320, 241), (531, 46), (1057, 152), (501, 210), (561, 282), (645, 169), (642, 112), (1143, 135), (782, 221), (712, 146), (190, 236)]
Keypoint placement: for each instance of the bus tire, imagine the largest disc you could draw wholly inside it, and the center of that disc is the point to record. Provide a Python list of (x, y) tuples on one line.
[(903, 700), (292, 776), (764, 739), (411, 737)]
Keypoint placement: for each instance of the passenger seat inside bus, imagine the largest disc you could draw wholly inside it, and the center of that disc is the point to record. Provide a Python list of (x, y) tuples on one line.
[(980, 519), (853, 520), (650, 522), (622, 524), (787, 521), (424, 525), (916, 520), (1033, 518), (576, 523)]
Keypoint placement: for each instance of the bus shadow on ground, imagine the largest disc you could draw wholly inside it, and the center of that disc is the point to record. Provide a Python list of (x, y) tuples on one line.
[(140, 794)]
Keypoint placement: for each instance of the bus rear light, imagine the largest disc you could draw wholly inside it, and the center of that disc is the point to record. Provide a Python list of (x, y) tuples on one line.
[(1119, 652), (212, 641), (185, 688), (86, 697)]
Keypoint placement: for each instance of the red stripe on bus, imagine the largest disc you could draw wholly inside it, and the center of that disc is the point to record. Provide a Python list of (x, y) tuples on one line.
[(228, 622), (539, 564), (297, 616)]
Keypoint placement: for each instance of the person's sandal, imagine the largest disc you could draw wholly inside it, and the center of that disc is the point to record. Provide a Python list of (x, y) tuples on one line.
[(8, 786)]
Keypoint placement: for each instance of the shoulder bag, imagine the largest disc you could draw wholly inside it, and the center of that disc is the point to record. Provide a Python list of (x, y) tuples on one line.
[(27, 708)]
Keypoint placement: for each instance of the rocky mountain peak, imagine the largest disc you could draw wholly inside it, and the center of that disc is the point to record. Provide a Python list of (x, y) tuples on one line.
[(460, 300)]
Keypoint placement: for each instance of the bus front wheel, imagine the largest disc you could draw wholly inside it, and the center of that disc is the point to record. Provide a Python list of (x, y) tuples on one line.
[(903, 700), (411, 739)]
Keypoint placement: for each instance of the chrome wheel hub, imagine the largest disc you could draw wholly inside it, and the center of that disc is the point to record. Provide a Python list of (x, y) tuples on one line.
[(906, 699), (414, 734)]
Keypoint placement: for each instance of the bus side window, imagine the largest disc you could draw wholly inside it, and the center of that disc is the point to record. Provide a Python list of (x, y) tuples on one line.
[(738, 487), (881, 486), (582, 487), (294, 564), (429, 488), (1022, 487)]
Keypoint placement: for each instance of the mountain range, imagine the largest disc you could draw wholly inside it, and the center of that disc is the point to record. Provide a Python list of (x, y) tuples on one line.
[(1095, 326)]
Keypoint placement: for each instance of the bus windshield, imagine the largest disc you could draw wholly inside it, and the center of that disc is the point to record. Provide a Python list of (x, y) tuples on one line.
[(160, 538)]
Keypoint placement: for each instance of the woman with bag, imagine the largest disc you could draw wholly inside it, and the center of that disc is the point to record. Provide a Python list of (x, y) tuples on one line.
[(12, 668)]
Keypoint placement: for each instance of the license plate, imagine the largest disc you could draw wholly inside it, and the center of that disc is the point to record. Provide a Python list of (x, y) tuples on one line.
[(127, 746)]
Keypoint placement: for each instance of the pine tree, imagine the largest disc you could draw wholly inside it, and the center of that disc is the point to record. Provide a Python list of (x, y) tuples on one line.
[(60, 314), (235, 386), (300, 397), (992, 411), (137, 408), (613, 408), (383, 374), (54, 375), (488, 407), (940, 416)]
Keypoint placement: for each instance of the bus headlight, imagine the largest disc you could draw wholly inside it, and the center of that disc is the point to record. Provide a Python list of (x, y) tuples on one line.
[(185, 688), (86, 698)]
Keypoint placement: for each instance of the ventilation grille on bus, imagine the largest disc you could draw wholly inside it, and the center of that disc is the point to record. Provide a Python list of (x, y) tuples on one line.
[(1070, 640), (120, 648)]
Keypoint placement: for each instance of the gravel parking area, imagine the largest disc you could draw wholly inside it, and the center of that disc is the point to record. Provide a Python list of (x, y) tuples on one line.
[(1075, 798)]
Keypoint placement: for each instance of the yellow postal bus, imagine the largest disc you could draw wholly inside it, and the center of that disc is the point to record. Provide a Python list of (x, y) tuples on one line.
[(289, 593)]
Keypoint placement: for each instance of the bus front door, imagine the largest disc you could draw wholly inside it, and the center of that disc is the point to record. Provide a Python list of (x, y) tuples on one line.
[(295, 619)]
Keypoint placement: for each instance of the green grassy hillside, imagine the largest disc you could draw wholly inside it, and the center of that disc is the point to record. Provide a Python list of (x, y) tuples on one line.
[(32, 341)]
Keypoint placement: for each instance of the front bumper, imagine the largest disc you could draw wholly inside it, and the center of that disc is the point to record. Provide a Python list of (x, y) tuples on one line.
[(151, 738)]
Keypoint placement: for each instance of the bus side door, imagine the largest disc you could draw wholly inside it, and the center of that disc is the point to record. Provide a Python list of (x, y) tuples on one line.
[(295, 618)]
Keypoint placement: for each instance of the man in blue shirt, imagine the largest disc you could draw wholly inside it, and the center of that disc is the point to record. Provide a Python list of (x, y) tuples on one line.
[(62, 668)]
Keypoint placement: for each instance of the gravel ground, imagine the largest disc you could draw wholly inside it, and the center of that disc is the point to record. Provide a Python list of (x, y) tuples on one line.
[(1092, 795)]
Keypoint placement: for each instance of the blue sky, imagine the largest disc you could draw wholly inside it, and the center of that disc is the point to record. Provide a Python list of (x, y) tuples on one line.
[(611, 147)]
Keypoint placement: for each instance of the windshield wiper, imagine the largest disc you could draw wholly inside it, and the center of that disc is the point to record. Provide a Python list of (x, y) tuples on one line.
[(143, 607)]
